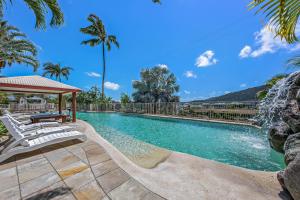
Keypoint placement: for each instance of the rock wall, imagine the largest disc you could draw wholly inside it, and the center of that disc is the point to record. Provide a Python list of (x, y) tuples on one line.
[(284, 135)]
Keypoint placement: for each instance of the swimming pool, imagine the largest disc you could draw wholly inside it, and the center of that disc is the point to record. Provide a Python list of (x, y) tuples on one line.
[(238, 145)]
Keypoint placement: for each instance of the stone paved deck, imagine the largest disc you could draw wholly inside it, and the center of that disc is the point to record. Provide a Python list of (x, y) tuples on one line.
[(71, 170)]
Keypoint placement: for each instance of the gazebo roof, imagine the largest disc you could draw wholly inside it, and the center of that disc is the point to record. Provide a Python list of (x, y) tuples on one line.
[(34, 84)]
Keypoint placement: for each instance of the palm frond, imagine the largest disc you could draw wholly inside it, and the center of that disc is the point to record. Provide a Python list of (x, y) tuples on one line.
[(39, 12), (91, 42), (282, 16), (15, 48), (294, 62), (57, 15)]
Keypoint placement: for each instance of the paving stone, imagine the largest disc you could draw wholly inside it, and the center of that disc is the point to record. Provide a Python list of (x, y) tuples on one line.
[(12, 193), (72, 169), (89, 191), (39, 183), (91, 146), (61, 158), (152, 196), (79, 152), (106, 198), (79, 179), (104, 167), (96, 156), (33, 169), (28, 157), (56, 191), (8, 178), (130, 190), (88, 145), (10, 163), (113, 179)]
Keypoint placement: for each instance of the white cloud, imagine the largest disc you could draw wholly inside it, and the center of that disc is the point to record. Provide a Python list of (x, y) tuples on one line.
[(243, 85), (245, 52), (163, 66), (190, 74), (111, 86), (227, 92), (266, 42), (206, 59), (93, 74), (186, 92)]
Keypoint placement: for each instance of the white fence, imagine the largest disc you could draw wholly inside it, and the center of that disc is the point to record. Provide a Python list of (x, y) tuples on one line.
[(14, 107), (234, 111)]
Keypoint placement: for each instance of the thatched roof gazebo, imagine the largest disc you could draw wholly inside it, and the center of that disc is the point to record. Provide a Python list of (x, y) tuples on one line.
[(40, 85)]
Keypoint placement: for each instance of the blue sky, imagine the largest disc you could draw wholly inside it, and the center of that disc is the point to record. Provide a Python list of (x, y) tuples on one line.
[(213, 47)]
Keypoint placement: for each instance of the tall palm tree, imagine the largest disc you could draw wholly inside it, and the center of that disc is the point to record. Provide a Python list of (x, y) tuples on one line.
[(282, 15), (40, 9), (57, 71), (15, 48), (99, 37)]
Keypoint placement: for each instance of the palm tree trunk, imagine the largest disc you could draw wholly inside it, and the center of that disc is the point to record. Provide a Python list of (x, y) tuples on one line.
[(104, 68)]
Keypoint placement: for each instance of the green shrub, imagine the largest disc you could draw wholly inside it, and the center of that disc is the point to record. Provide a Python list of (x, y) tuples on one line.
[(3, 130)]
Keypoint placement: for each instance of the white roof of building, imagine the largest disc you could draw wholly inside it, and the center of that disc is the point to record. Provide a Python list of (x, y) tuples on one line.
[(34, 84)]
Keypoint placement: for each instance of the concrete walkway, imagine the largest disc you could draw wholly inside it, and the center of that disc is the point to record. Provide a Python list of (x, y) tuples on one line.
[(70, 170)]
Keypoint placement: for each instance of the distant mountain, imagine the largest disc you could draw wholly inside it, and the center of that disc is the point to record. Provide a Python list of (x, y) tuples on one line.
[(243, 95)]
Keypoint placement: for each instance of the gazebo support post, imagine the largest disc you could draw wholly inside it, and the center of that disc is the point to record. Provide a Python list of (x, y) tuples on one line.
[(59, 103), (73, 106)]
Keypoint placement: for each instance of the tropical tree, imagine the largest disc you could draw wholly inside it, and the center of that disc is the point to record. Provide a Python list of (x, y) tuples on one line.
[(57, 71), (156, 85), (269, 84), (99, 37), (40, 9), (125, 99), (93, 95), (3, 98), (15, 48), (282, 16)]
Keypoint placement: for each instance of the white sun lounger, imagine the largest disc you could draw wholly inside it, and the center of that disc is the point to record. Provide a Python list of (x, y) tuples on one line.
[(37, 132), (19, 116), (22, 144), (32, 126)]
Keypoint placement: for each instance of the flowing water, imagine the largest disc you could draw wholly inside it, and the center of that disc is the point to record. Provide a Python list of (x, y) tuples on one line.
[(271, 107), (242, 146)]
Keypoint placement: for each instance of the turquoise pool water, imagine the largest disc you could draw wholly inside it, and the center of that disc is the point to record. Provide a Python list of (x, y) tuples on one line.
[(237, 145)]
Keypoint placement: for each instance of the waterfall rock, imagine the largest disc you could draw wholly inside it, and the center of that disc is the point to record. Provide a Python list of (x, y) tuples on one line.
[(293, 121), (297, 79), (278, 134), (291, 177), (298, 95), (292, 148), (280, 178), (280, 112)]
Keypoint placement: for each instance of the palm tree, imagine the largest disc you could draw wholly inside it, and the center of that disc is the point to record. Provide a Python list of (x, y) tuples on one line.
[(282, 15), (39, 8), (56, 70), (15, 48), (99, 37)]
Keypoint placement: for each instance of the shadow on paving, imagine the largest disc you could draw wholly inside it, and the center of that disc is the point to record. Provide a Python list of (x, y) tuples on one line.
[(51, 194)]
